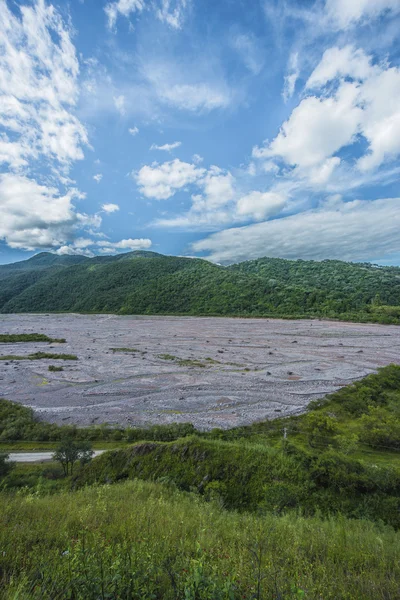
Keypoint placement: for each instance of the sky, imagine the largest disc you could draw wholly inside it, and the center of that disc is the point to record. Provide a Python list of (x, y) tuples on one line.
[(228, 130)]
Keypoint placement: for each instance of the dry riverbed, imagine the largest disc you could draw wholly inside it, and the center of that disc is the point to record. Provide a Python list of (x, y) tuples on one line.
[(213, 372)]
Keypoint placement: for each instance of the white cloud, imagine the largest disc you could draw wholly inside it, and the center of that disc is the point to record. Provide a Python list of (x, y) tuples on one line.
[(98, 177), (166, 147), (185, 87), (89, 247), (340, 62), (110, 208), (197, 159), (122, 8), (292, 76), (162, 181), (133, 130), (357, 230), (120, 105), (378, 90), (218, 188), (38, 88), (195, 97), (316, 129), (260, 205), (172, 12), (37, 216), (129, 244), (344, 13)]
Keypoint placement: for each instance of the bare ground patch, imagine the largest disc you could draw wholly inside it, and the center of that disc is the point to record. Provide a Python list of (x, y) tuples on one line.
[(213, 372)]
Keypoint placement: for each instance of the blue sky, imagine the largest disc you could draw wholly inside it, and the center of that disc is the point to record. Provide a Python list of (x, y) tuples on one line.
[(228, 130)]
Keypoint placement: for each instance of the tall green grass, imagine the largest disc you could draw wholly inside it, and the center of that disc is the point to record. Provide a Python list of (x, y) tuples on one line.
[(141, 540)]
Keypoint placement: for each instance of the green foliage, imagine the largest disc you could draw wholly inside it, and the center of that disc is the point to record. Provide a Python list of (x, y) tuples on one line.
[(257, 477), (69, 452), (149, 283), (54, 368), (142, 540), (18, 422), (40, 356), (12, 338), (5, 465)]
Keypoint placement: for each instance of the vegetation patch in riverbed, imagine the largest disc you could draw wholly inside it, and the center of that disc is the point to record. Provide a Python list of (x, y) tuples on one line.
[(40, 356), (11, 338)]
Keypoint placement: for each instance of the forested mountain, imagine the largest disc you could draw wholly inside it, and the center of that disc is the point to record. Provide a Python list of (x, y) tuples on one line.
[(150, 283)]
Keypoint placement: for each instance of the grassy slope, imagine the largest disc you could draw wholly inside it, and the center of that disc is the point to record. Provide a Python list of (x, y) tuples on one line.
[(140, 541), (328, 463), (149, 283)]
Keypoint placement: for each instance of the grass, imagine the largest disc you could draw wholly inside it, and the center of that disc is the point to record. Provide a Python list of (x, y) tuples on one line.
[(183, 362), (11, 338), (40, 356), (127, 350), (145, 541), (54, 368)]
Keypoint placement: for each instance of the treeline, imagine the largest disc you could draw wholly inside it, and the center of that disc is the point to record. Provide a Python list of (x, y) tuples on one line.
[(19, 423), (149, 283)]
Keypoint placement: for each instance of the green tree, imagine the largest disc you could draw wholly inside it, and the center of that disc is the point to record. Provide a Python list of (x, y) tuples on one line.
[(5, 464), (69, 453)]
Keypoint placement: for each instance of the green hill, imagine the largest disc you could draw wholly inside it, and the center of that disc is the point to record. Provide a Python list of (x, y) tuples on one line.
[(145, 282)]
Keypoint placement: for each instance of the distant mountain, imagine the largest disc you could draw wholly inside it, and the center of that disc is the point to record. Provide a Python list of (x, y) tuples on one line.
[(43, 260), (145, 282)]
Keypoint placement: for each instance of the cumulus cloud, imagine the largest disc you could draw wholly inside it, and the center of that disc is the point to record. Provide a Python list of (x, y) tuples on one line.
[(217, 202), (133, 130), (260, 205), (110, 208), (38, 216), (162, 181), (316, 129), (98, 177), (166, 147), (89, 247), (358, 230), (340, 62), (352, 99), (129, 244), (38, 88), (344, 14)]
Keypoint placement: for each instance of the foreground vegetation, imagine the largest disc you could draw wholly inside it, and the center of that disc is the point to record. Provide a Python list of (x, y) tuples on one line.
[(148, 541), (300, 507), (150, 283)]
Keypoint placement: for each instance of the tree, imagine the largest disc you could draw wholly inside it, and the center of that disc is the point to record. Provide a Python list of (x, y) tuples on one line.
[(70, 452), (5, 464)]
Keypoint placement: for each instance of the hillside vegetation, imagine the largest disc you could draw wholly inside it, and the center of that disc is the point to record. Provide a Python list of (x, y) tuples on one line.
[(302, 507), (147, 541), (150, 283)]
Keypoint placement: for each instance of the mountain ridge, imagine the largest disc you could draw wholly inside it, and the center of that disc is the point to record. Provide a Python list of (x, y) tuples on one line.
[(144, 282)]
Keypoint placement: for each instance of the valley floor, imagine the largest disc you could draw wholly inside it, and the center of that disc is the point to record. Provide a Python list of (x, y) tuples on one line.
[(213, 372)]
